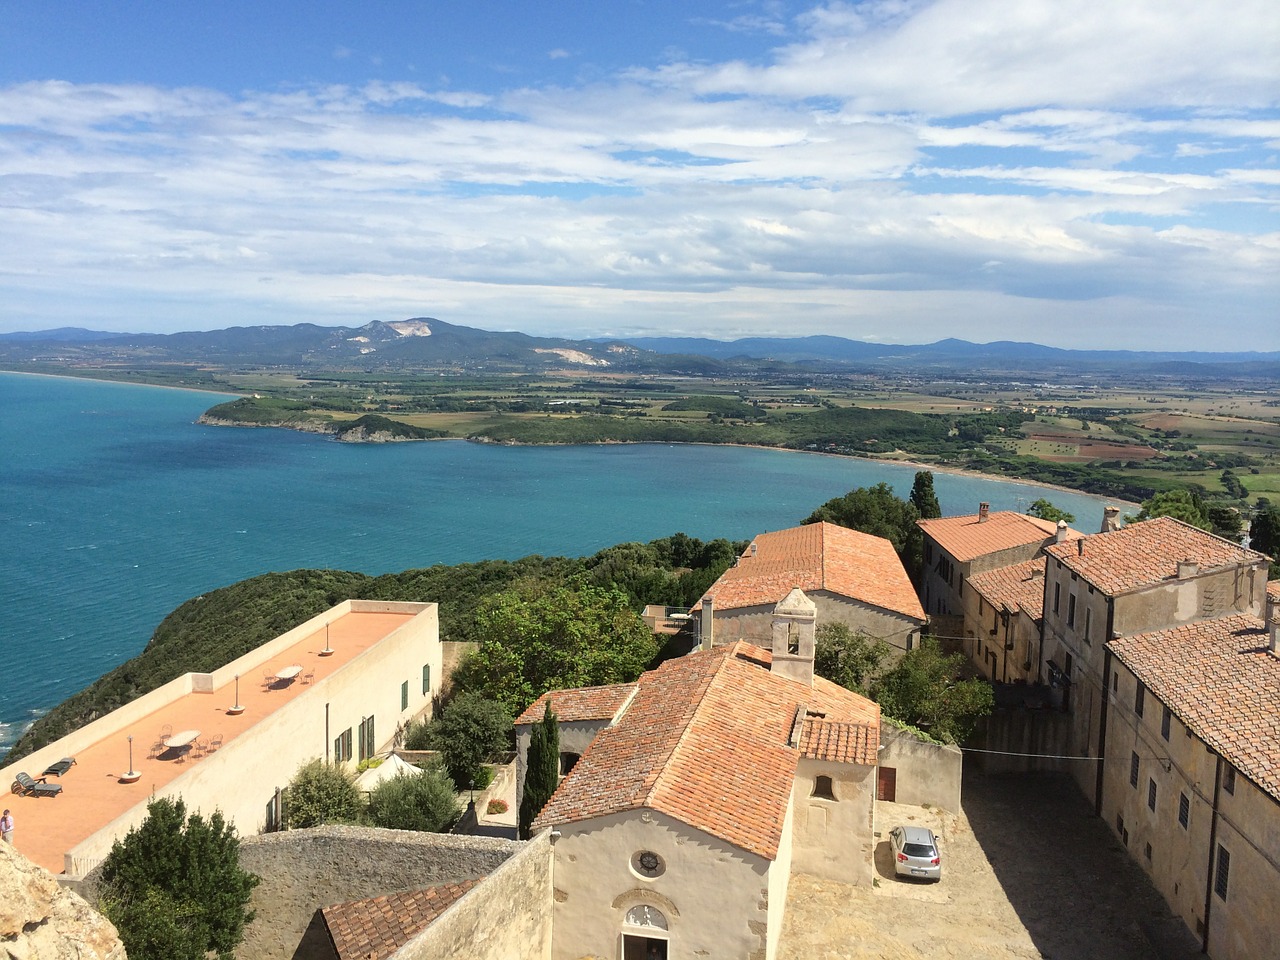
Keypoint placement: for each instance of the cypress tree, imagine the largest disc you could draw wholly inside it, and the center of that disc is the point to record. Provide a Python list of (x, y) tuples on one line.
[(543, 769), (923, 496)]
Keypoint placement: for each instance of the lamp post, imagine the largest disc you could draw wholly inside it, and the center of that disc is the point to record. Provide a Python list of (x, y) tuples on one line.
[(133, 775), (328, 650), (238, 709)]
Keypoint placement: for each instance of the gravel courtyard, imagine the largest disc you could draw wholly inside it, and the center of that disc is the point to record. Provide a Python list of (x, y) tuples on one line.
[(1028, 872)]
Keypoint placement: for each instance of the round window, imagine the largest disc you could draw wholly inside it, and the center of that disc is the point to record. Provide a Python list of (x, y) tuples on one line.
[(648, 864)]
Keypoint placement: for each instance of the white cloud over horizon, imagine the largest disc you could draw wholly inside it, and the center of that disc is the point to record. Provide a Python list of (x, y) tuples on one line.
[(1080, 175)]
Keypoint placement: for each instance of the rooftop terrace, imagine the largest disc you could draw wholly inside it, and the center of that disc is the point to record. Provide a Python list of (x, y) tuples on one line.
[(94, 794)]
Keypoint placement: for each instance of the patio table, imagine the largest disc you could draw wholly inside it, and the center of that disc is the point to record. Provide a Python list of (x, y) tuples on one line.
[(184, 738), (289, 672)]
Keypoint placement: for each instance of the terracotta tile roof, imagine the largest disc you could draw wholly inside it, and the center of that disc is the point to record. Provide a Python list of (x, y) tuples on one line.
[(1146, 553), (967, 538), (1019, 586), (1273, 589), (839, 742), (583, 703), (378, 927), (1220, 680), (707, 740), (818, 556)]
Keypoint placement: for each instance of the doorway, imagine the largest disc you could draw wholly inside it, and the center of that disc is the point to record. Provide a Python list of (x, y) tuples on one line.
[(643, 948)]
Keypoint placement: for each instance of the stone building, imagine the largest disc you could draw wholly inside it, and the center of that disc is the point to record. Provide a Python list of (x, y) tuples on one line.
[(853, 578), (720, 774), (1002, 636)]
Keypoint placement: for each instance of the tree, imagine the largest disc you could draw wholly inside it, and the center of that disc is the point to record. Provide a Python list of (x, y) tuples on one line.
[(466, 733), (1045, 510), (536, 638), (853, 660), (923, 497), (542, 771), (322, 793), (1181, 504), (1232, 484), (1225, 521), (1264, 532), (174, 888), (425, 802), (924, 689), (875, 510)]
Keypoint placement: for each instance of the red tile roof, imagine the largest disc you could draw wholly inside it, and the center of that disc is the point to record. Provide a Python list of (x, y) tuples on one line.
[(1019, 586), (1146, 553), (818, 556), (1273, 589), (1221, 681), (708, 740), (967, 538), (378, 927), (583, 703)]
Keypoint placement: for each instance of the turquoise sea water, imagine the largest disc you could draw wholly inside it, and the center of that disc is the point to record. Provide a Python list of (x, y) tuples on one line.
[(115, 507)]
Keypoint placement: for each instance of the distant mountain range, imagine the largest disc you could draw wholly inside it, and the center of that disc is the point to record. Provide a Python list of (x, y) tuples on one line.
[(427, 343)]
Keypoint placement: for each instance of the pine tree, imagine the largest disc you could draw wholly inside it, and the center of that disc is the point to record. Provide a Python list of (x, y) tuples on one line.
[(543, 769)]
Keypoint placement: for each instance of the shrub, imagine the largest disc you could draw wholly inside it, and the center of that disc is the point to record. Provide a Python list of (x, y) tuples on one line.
[(496, 806), (417, 736), (174, 888), (322, 793), (425, 802)]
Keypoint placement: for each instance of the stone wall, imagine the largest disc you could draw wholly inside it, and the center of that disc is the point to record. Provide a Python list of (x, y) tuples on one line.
[(304, 870), (508, 917), (1023, 740), (928, 773)]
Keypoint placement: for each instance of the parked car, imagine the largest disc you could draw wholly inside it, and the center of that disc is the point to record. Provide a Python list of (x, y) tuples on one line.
[(915, 853)]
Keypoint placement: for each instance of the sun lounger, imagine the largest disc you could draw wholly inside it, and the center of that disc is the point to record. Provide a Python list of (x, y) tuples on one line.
[(59, 768), (28, 787)]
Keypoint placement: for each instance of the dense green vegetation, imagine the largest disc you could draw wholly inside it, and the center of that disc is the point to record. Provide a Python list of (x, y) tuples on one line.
[(542, 772), (322, 793), (877, 511), (174, 887), (467, 732)]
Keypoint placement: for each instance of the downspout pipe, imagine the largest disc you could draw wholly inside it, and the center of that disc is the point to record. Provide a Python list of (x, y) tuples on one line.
[(1213, 845), (1102, 731)]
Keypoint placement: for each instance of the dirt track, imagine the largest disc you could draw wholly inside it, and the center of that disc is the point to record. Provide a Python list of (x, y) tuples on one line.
[(1028, 872)]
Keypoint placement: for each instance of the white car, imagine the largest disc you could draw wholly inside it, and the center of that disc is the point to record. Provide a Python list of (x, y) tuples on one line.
[(915, 853)]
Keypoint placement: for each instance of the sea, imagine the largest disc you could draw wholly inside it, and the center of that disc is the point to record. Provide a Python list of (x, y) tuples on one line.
[(116, 506)]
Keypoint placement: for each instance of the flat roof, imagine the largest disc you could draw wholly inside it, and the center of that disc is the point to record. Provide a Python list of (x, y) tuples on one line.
[(45, 828)]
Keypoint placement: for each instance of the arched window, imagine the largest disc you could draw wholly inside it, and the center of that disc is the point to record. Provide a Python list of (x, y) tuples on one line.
[(567, 761), (822, 789), (644, 915)]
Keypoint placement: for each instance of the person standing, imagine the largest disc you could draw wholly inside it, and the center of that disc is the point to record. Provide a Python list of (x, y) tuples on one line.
[(6, 827)]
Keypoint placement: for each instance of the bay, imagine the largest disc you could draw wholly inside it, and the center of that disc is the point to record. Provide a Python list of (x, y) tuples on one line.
[(115, 507)]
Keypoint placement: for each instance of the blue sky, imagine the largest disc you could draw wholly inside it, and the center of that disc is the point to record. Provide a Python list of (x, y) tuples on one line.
[(1078, 174)]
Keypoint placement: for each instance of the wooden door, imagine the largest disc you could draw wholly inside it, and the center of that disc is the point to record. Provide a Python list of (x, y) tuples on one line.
[(887, 784)]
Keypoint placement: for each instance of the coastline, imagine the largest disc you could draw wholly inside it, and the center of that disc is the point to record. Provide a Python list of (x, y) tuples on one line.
[(123, 383)]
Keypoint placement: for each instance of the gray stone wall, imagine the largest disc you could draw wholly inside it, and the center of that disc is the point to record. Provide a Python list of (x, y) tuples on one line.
[(928, 773), (508, 917), (304, 870)]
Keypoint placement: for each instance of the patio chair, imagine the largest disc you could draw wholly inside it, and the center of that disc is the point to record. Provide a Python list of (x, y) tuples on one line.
[(215, 743), (29, 787), (268, 679), (199, 747), (157, 748), (308, 676), (166, 732), (59, 768)]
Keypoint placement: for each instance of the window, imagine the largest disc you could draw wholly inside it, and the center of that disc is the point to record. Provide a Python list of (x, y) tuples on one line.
[(793, 639), (822, 789), (1133, 770), (342, 746), (1121, 831), (1184, 810), (1224, 872), (366, 744), (1147, 851), (1229, 780), (1071, 610), (567, 761), (426, 679), (1057, 595), (1088, 625), (1140, 698), (1166, 719), (404, 695), (1151, 794)]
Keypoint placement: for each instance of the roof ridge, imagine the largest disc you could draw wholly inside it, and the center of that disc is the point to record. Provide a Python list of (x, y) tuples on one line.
[(696, 704)]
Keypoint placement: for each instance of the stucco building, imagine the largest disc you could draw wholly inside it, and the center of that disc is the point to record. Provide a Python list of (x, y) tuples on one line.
[(853, 578), (1003, 631), (363, 668), (717, 776)]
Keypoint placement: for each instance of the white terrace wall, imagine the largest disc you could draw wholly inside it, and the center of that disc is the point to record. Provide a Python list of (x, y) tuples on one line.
[(242, 777), (927, 773)]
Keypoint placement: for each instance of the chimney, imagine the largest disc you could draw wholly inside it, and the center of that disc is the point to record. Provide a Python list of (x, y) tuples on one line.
[(1061, 535), (1187, 569), (1110, 519), (753, 548), (707, 632), (983, 510)]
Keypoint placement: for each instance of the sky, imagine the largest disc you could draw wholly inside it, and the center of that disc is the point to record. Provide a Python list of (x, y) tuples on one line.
[(1079, 173)]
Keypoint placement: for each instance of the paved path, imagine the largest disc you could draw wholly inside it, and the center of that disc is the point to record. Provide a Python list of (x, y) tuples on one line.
[(1028, 872)]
